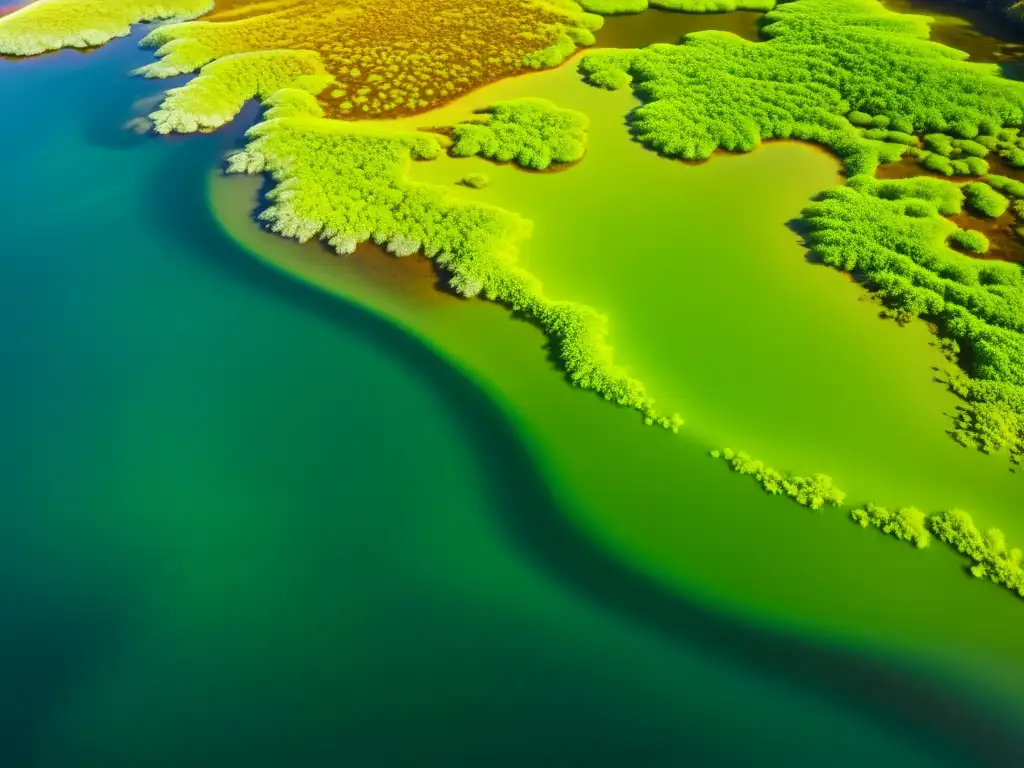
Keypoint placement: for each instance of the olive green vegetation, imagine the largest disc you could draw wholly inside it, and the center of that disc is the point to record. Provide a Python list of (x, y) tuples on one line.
[(48, 25), (985, 201), (813, 492), (610, 7), (992, 558), (346, 184), (475, 181), (533, 133), (821, 61), (907, 524), (893, 235), (224, 85)]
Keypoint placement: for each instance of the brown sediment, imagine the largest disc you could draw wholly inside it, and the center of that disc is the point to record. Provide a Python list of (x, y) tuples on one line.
[(637, 30), (909, 168), (1004, 244), (391, 58), (415, 277)]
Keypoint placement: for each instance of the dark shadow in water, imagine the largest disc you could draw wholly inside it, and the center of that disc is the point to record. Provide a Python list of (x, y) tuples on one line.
[(936, 715), (47, 651)]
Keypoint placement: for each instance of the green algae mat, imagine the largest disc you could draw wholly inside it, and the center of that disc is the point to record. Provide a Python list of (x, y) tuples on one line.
[(659, 268)]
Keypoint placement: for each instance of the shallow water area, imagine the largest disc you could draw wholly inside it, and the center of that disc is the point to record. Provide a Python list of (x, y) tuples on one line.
[(637, 30)]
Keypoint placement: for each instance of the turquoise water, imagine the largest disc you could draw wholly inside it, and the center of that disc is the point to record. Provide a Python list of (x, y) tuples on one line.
[(245, 524)]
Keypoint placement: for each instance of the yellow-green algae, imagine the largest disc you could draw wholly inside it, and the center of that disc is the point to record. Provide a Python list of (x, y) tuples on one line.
[(891, 394), (346, 185), (48, 25), (534, 133), (826, 70), (387, 57)]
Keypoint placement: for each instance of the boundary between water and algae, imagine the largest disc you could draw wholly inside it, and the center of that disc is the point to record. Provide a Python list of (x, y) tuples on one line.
[(991, 557), (845, 74)]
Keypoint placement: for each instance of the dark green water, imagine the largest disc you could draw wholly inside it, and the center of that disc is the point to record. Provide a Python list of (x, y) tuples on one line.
[(243, 524)]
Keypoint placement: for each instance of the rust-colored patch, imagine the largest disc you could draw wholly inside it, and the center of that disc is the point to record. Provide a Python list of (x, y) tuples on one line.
[(393, 57), (1004, 243)]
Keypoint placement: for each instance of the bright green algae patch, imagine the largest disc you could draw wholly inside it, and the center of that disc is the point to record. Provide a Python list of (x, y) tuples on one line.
[(893, 234), (907, 524), (347, 185), (822, 60), (533, 133), (48, 25), (827, 72)]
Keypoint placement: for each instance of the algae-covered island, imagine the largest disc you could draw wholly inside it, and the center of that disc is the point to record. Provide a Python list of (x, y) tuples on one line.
[(613, 236)]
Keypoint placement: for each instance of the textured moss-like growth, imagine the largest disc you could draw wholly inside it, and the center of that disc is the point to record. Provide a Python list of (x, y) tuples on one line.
[(814, 492), (993, 559), (345, 184), (218, 93), (971, 240), (533, 133), (475, 181), (48, 25), (387, 57), (907, 524), (1006, 185), (823, 60), (952, 156), (893, 235), (985, 201)]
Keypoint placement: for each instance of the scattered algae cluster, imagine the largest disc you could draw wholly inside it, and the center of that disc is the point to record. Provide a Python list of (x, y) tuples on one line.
[(814, 492), (533, 133), (992, 558), (894, 234)]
